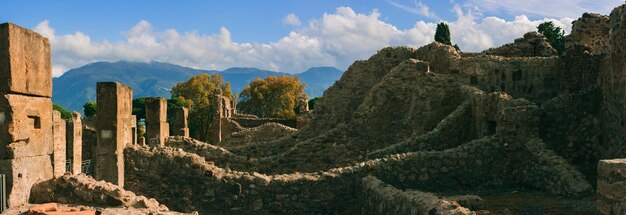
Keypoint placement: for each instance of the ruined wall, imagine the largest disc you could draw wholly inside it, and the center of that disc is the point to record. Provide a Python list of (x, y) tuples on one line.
[(25, 111), (255, 122), (266, 132), (380, 198), (591, 30), (157, 128), (531, 78), (532, 44), (613, 82), (179, 122), (59, 141), (74, 147)]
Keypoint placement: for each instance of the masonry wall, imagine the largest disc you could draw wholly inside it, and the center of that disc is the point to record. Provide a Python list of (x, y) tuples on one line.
[(74, 147), (59, 141), (611, 195)]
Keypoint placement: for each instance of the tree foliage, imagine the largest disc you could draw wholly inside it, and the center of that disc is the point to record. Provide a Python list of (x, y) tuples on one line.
[(89, 109), (139, 108), (197, 95), (65, 114), (274, 96), (313, 101), (442, 34), (554, 34)]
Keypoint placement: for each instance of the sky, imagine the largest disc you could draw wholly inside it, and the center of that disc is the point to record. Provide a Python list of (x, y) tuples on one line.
[(279, 35)]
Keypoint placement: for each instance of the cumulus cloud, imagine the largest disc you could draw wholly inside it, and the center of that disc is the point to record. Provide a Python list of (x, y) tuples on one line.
[(291, 19), (548, 8), (335, 39), (419, 9)]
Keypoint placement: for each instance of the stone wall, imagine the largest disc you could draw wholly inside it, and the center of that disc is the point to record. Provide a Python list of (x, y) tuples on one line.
[(255, 122), (380, 198), (265, 132), (533, 44), (74, 147), (59, 142), (157, 128)]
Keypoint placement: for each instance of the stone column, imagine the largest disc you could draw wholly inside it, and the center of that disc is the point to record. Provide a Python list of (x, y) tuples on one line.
[(133, 140), (611, 197), (59, 141), (25, 111), (74, 145), (157, 128), (179, 124), (113, 130)]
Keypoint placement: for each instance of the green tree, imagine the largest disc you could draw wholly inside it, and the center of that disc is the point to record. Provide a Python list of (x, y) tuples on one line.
[(197, 93), (442, 34), (554, 34), (274, 96), (139, 108), (313, 101), (89, 109), (65, 114)]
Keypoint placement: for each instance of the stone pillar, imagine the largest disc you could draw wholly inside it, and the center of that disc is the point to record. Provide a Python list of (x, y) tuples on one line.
[(141, 141), (113, 130), (179, 123), (611, 196), (59, 141), (216, 127), (157, 128), (74, 147), (25, 111)]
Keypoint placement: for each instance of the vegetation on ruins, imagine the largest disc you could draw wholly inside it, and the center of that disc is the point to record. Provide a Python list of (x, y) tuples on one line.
[(442, 35), (89, 109), (274, 96), (554, 34), (197, 94), (65, 114), (313, 101)]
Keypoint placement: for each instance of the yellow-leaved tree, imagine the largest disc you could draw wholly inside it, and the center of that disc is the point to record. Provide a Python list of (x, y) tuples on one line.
[(274, 96), (198, 93)]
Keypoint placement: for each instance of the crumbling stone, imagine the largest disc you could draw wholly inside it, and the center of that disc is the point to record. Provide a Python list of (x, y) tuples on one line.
[(157, 128), (533, 44), (591, 30), (113, 130), (58, 129)]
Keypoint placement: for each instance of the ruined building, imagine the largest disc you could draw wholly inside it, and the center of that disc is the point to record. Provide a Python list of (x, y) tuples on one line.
[(407, 131)]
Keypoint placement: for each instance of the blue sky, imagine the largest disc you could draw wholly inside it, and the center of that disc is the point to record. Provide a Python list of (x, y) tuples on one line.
[(287, 36)]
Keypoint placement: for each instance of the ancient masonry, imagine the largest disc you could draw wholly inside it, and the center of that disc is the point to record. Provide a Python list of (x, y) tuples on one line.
[(59, 141), (157, 128), (179, 122), (113, 130), (25, 111)]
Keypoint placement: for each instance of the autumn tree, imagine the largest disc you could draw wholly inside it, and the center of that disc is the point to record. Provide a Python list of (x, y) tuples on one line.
[(274, 96), (197, 95), (89, 109), (554, 34)]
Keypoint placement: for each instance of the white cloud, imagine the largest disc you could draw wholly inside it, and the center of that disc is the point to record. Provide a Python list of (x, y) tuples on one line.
[(548, 8), (291, 19), (419, 9), (335, 39)]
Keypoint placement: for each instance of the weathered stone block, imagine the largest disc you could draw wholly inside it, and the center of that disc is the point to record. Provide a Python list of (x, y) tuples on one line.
[(611, 197), (25, 63), (25, 126), (179, 124), (74, 147), (157, 132), (59, 141), (113, 130), (22, 174)]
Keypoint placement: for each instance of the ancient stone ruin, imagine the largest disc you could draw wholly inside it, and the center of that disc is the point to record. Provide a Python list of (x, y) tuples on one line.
[(407, 131)]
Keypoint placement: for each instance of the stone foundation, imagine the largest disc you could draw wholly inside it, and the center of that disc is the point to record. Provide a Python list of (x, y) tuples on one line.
[(611, 197)]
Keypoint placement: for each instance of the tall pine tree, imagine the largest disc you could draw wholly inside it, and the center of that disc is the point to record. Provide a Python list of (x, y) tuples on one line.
[(442, 34)]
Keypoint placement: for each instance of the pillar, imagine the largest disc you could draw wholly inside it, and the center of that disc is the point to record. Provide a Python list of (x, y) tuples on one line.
[(157, 128), (74, 147), (25, 111), (59, 141), (179, 122), (113, 130)]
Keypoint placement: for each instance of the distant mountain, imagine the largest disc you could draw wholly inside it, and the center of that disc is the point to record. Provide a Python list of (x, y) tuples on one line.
[(78, 86)]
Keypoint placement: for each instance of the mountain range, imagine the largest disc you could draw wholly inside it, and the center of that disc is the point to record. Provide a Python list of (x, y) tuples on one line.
[(78, 86)]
